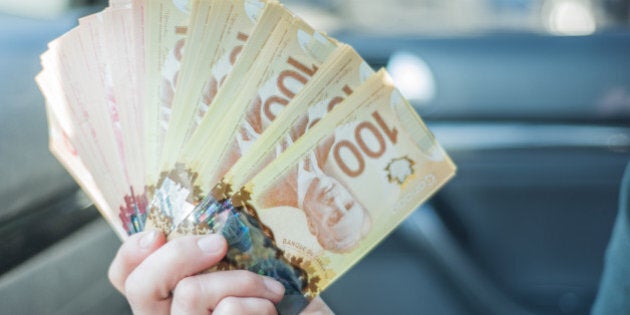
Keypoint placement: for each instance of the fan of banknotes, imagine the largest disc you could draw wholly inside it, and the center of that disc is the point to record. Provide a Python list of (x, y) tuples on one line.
[(236, 117)]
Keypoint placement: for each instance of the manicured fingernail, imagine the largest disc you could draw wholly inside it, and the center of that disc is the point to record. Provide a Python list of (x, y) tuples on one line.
[(147, 239), (210, 244), (273, 285)]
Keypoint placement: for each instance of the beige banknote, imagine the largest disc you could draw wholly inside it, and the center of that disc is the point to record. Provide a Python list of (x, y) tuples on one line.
[(66, 153), (332, 195), (339, 76), (164, 44), (218, 31), (178, 191), (114, 51), (75, 82), (121, 49), (67, 127), (121, 55), (109, 51), (289, 59)]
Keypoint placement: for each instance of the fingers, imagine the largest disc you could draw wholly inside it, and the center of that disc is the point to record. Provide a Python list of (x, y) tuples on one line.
[(198, 294), (148, 288), (131, 254), (235, 305), (147, 269)]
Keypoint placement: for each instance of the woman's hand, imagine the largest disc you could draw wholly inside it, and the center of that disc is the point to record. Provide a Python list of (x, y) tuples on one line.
[(159, 277)]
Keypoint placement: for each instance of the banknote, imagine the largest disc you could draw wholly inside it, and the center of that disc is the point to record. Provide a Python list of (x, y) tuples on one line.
[(342, 72), (113, 49), (63, 148), (331, 196), (288, 59), (232, 83), (237, 117), (78, 87), (338, 77), (164, 44), (138, 33), (284, 66), (78, 154), (121, 53), (218, 31)]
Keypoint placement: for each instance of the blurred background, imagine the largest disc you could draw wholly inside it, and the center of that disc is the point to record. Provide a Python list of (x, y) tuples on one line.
[(531, 98)]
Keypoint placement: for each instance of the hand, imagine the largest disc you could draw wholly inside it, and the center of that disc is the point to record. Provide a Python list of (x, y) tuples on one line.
[(159, 277)]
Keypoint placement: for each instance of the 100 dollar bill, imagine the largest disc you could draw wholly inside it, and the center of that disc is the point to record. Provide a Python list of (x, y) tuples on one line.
[(275, 65), (177, 190), (164, 40), (337, 79), (78, 99), (332, 196), (218, 32), (285, 65)]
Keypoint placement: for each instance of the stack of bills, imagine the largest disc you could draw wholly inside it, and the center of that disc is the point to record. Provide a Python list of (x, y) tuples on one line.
[(237, 117)]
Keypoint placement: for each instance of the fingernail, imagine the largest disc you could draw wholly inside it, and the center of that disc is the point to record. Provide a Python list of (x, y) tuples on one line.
[(210, 244), (147, 239), (273, 285)]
